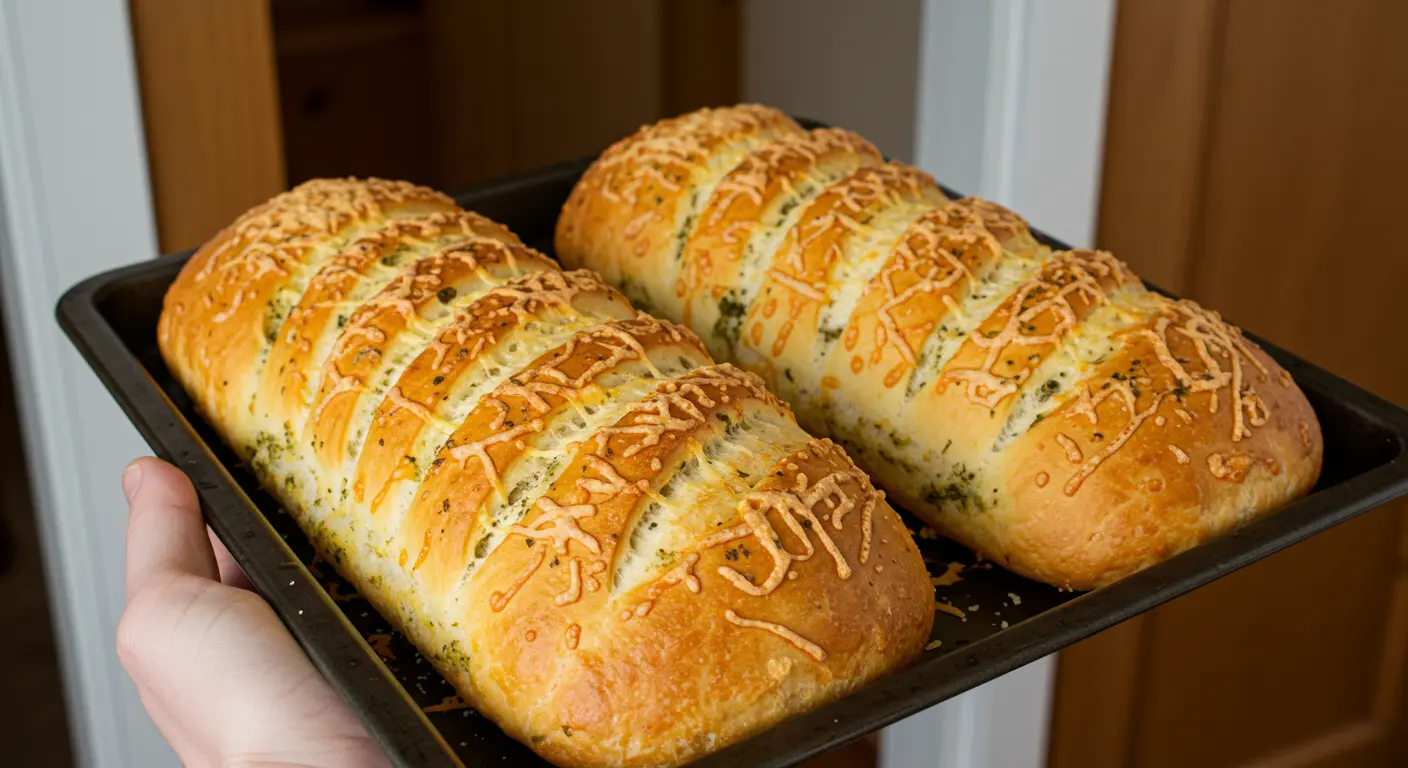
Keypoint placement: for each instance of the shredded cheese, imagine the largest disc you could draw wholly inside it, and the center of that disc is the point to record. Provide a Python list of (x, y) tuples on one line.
[(801, 643)]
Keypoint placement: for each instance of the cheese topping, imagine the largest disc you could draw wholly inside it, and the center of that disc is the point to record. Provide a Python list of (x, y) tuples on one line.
[(401, 402), (814, 247), (777, 164), (726, 536), (811, 291), (950, 609), (1212, 338), (562, 526), (611, 483), (1063, 278), (499, 600), (927, 259), (672, 149), (574, 585), (655, 416), (801, 643), (341, 385), (276, 237), (1073, 453), (413, 319), (795, 509), (1231, 466), (1136, 418), (479, 449), (559, 524), (680, 574)]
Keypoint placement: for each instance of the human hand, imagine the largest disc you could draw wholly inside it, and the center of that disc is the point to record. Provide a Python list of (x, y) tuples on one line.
[(216, 670)]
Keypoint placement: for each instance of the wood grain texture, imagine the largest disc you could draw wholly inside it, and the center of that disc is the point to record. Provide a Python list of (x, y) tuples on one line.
[(1257, 163), (1273, 658), (700, 53), (472, 125), (601, 80), (325, 74), (1097, 682), (1305, 175), (1157, 128), (211, 112), (471, 111), (647, 58), (1394, 710)]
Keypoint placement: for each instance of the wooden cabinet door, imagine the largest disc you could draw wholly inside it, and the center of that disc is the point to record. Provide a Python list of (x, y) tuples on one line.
[(1257, 161), (242, 97)]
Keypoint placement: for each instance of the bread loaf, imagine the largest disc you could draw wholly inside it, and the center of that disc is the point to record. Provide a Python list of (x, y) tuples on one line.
[(1043, 408), (621, 552)]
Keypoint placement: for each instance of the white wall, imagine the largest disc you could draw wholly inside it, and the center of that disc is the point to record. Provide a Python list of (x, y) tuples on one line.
[(74, 201), (1011, 105), (852, 64)]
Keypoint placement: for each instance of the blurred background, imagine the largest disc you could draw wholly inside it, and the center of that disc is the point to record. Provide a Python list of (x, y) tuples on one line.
[(1247, 153)]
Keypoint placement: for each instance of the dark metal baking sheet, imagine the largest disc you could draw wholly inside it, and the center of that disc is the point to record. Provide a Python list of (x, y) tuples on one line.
[(1008, 621)]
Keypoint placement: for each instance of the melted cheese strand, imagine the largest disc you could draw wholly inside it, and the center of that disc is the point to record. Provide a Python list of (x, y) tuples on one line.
[(801, 643)]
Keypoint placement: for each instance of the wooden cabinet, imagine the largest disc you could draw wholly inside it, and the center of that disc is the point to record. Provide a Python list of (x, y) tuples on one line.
[(210, 112), (1255, 161), (244, 97)]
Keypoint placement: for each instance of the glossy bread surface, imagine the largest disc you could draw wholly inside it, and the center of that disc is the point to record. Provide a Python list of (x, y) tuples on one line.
[(620, 551), (1041, 407)]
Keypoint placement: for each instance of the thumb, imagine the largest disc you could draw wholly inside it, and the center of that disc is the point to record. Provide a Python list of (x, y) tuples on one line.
[(166, 535), (222, 678)]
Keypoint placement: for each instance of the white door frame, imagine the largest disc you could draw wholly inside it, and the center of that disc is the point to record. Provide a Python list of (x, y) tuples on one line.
[(74, 200), (1011, 107)]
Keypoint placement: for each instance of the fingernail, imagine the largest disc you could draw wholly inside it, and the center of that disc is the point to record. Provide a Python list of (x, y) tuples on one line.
[(131, 480)]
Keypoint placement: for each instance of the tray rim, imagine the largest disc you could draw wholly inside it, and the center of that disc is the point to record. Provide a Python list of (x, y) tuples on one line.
[(410, 739)]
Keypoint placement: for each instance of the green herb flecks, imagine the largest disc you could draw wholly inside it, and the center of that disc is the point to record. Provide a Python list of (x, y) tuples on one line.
[(730, 322)]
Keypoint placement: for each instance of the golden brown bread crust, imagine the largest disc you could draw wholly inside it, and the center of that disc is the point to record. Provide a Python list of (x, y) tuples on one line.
[(716, 259), (632, 194), (1043, 408), (648, 670), (619, 551), (225, 297), (1161, 490), (342, 278)]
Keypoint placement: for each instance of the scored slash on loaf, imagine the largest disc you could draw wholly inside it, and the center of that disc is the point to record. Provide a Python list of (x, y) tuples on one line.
[(618, 550), (1041, 407)]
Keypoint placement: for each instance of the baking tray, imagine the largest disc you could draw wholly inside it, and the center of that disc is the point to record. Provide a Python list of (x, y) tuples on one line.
[(1008, 621)]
